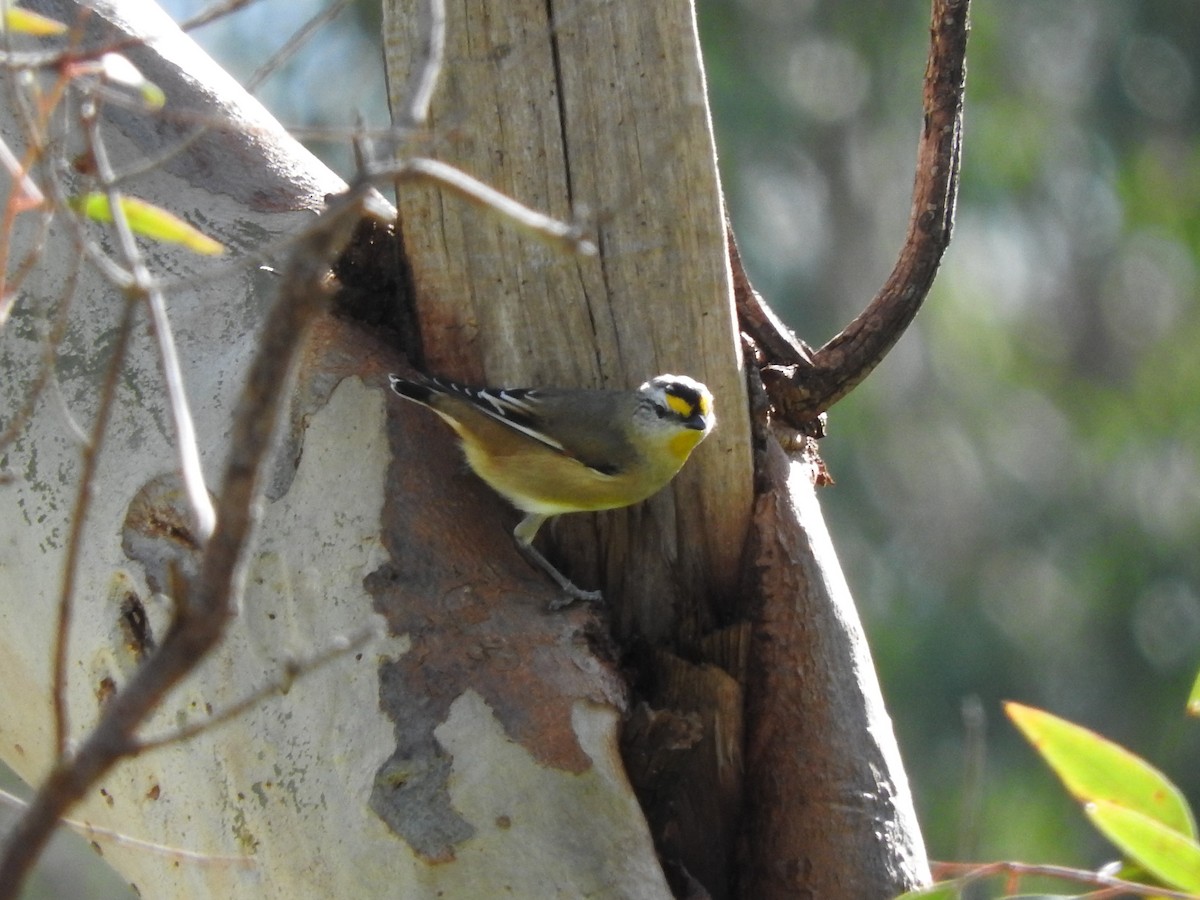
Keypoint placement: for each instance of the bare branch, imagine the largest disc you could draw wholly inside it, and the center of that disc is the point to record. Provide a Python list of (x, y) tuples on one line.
[(293, 44), (291, 670), (427, 68), (965, 873), (87, 474), (214, 12), (28, 193), (25, 195), (95, 833), (802, 388), (185, 429), (555, 233), (770, 335), (145, 288), (9, 286), (50, 347)]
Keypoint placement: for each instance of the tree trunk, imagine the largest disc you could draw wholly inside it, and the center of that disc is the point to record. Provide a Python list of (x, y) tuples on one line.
[(477, 748), (601, 112), (614, 122)]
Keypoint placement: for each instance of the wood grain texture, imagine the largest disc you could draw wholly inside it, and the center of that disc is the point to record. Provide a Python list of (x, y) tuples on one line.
[(598, 108)]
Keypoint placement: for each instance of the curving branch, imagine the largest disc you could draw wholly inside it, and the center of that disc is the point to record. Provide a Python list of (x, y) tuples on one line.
[(827, 808), (802, 384)]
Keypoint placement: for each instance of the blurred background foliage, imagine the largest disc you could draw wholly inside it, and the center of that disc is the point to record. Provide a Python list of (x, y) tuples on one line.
[(1017, 505)]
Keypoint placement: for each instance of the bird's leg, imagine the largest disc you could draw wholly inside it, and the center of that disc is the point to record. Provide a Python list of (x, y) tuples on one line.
[(524, 534)]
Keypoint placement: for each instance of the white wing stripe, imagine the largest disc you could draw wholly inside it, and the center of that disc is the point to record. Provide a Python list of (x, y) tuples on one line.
[(498, 405)]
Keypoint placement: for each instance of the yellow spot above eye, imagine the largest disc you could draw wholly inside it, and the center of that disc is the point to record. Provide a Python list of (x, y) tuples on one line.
[(679, 405)]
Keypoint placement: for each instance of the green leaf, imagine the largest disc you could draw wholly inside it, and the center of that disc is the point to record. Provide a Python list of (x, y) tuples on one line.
[(1193, 704), (149, 221), (22, 21), (1093, 769), (1162, 851)]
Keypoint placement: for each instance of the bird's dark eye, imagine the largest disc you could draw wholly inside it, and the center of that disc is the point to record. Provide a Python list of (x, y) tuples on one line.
[(662, 412)]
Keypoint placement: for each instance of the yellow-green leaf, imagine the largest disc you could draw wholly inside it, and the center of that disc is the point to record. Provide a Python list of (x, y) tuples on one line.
[(117, 69), (149, 221), (1193, 704), (1162, 851), (22, 21), (1094, 768)]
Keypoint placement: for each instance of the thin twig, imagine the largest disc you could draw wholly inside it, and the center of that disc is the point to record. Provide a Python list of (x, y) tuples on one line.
[(50, 346), (148, 164), (214, 12), (290, 671), (83, 500), (10, 285), (561, 235), (28, 264), (107, 835), (800, 388), (969, 872), (74, 546), (427, 67), (143, 285), (69, 419), (31, 59), (185, 430), (27, 193), (121, 279), (292, 46)]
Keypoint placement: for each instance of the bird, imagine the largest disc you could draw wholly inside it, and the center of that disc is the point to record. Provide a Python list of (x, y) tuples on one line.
[(550, 451)]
